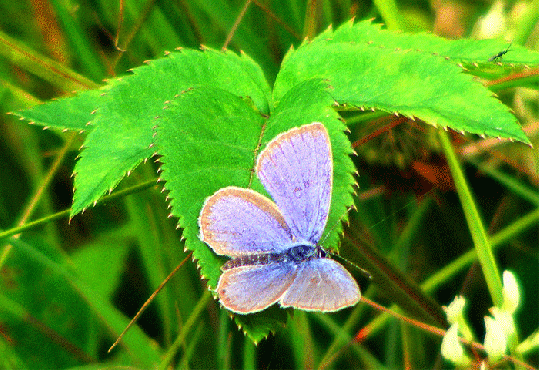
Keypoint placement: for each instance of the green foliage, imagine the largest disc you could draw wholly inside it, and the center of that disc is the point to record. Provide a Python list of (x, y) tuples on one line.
[(462, 50), (204, 124), (198, 127), (405, 82), (408, 83), (51, 318), (67, 114), (124, 125), (209, 106), (203, 116)]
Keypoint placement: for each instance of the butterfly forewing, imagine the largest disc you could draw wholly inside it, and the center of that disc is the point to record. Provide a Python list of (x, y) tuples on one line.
[(296, 168), (236, 221)]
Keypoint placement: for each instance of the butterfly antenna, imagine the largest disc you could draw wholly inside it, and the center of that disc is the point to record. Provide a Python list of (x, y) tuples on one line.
[(328, 233), (147, 303), (344, 261)]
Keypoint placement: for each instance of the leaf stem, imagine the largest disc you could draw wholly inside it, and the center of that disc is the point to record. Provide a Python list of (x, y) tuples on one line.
[(481, 241), (65, 212), (193, 318)]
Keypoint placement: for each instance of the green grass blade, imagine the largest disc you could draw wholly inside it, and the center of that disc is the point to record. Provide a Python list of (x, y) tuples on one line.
[(55, 73), (482, 244)]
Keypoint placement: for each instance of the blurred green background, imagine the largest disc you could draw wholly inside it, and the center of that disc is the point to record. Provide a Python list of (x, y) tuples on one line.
[(68, 287)]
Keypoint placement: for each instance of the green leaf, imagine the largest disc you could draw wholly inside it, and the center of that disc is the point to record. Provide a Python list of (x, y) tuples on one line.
[(207, 137), (9, 359), (258, 326), (46, 325), (49, 323), (102, 263), (210, 139), (52, 71), (123, 130), (73, 113), (462, 50), (409, 83)]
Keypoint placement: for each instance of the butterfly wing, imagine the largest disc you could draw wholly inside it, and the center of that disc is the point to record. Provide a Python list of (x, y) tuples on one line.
[(296, 168), (236, 221), (249, 289), (321, 285)]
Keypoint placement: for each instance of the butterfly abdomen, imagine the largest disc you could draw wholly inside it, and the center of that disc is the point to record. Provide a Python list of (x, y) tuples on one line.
[(254, 260), (296, 254)]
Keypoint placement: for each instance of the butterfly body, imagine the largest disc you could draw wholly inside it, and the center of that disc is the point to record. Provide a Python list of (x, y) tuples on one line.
[(296, 254), (273, 245)]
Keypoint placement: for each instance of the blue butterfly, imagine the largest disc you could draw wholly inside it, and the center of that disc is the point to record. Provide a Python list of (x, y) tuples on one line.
[(274, 250)]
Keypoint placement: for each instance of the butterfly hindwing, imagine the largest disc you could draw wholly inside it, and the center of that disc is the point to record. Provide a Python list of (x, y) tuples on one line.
[(249, 289), (321, 285)]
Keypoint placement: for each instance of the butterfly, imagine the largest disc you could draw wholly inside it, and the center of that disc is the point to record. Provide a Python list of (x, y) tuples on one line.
[(274, 244)]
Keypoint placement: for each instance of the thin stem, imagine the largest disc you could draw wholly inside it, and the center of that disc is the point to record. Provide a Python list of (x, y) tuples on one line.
[(197, 311), (66, 212), (482, 244)]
